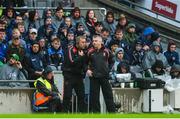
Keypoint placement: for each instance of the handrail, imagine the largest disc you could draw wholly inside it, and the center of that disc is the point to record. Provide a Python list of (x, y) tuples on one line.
[(103, 10), (137, 5)]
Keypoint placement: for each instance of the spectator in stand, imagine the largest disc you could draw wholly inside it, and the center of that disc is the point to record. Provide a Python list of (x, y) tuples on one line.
[(77, 18), (156, 37), (31, 38), (158, 68), (9, 14), (74, 72), (13, 70), (47, 13), (47, 93), (68, 22), (145, 38), (120, 57), (16, 48), (12, 25), (32, 21), (70, 38), (171, 54), (16, 34), (3, 46), (118, 37), (130, 34), (122, 22), (62, 34), (55, 52), (35, 62), (113, 46), (151, 57), (123, 68), (47, 30), (2, 24), (100, 63), (138, 54), (110, 23), (43, 47), (105, 34), (90, 21), (175, 71), (21, 28), (58, 19), (98, 28)]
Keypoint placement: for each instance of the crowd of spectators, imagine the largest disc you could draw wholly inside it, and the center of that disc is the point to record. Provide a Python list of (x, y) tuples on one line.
[(29, 43)]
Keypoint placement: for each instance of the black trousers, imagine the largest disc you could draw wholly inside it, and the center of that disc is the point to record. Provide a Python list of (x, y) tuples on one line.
[(95, 84), (55, 104), (76, 83)]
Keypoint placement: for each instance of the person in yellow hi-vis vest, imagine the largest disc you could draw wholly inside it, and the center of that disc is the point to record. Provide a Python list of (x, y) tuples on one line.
[(47, 93)]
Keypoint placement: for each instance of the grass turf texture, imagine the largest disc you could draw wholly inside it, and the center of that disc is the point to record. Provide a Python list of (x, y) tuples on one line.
[(147, 115)]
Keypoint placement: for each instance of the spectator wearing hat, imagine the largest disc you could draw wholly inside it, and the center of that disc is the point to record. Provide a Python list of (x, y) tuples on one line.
[(110, 23), (171, 54), (32, 37), (145, 38), (156, 37), (35, 62), (46, 88), (120, 56), (138, 54), (74, 71), (3, 46), (153, 55), (13, 70), (130, 34), (55, 53), (122, 22), (58, 18), (175, 71)]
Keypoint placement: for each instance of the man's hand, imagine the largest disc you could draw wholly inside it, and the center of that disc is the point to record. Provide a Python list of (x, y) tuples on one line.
[(89, 73), (18, 65), (81, 53)]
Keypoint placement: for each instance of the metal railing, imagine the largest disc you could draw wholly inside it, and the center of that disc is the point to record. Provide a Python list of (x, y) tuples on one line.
[(102, 11)]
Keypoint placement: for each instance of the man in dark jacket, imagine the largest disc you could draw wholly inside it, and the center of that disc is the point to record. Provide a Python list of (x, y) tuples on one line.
[(73, 72), (100, 59), (35, 62), (45, 87)]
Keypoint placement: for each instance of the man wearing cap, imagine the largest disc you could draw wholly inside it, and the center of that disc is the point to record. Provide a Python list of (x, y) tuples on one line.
[(31, 38), (47, 93), (13, 70), (74, 72)]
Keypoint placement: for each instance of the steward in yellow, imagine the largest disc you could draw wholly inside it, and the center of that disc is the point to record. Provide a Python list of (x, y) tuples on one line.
[(47, 93)]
